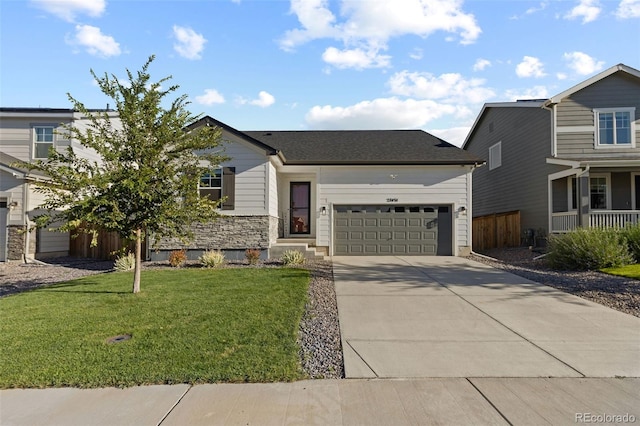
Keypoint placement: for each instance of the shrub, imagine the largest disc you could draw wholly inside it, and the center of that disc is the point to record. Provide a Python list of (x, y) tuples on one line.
[(588, 249), (632, 236), (212, 259), (125, 262), (177, 258), (252, 255), (292, 257)]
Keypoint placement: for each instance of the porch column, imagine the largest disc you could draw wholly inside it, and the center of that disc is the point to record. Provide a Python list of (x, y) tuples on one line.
[(584, 202)]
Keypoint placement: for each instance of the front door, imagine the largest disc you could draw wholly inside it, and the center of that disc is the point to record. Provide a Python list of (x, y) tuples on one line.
[(637, 185), (300, 208)]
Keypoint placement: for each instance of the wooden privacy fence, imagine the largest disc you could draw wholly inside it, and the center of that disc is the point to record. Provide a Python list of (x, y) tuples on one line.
[(496, 230), (109, 243)]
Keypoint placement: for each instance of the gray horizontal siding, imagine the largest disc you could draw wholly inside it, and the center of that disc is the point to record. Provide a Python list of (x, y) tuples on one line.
[(521, 182), (616, 91)]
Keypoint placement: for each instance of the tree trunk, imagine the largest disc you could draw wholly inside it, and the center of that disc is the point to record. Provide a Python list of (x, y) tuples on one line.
[(138, 267)]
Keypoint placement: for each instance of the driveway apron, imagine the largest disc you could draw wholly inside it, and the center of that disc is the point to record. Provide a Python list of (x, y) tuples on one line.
[(417, 317)]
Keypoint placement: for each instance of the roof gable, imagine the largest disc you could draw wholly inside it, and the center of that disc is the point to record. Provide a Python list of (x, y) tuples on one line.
[(596, 78)]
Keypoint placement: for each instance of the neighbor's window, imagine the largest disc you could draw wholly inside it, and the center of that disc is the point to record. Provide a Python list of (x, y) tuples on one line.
[(615, 127), (598, 192), (495, 156), (211, 185), (43, 140)]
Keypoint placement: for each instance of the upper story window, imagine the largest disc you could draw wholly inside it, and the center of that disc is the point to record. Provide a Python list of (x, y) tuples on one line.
[(211, 185), (43, 140), (495, 156), (615, 127)]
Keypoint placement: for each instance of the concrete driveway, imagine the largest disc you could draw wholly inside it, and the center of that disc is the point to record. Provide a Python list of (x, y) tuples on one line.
[(404, 317)]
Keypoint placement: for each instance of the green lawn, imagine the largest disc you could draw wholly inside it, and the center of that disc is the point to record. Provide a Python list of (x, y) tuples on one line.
[(629, 271), (187, 326)]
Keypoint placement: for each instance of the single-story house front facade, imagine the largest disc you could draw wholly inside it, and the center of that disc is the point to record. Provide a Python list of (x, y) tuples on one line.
[(335, 193)]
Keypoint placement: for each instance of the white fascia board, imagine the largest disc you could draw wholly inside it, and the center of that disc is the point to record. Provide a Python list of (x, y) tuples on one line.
[(560, 162)]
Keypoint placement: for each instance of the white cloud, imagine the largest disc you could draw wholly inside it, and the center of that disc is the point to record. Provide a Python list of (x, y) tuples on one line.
[(210, 97), (95, 43), (369, 25), (355, 58), (382, 113), (530, 67), (481, 64), (264, 100), (453, 135), (189, 43), (536, 92), (628, 9), (588, 10), (416, 54), (449, 88), (582, 64), (561, 76), (69, 9)]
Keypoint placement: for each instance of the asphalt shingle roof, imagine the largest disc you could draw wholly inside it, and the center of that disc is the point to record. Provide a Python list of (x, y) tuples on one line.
[(342, 147)]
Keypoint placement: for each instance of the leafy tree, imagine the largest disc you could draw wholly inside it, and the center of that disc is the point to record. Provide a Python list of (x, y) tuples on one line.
[(147, 179)]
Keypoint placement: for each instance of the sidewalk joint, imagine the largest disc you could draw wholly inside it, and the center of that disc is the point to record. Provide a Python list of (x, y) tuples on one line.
[(174, 405)]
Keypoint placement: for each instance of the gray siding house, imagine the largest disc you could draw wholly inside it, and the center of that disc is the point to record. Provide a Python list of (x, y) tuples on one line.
[(26, 134), (568, 161)]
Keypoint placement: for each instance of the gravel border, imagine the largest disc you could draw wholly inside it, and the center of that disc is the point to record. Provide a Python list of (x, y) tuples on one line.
[(619, 293)]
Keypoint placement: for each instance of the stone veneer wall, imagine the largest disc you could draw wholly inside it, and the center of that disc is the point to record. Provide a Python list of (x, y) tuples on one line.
[(229, 233), (15, 242)]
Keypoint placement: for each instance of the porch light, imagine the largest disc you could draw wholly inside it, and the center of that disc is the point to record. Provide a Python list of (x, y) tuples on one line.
[(323, 210)]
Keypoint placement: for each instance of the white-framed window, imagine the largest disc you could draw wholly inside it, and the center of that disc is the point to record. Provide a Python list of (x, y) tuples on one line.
[(43, 138), (495, 156), (615, 127), (211, 184)]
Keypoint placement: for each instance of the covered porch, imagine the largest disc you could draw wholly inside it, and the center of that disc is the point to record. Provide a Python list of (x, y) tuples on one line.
[(594, 194)]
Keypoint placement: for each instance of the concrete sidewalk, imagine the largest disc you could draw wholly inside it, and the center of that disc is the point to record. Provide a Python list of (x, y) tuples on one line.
[(408, 317), (519, 401)]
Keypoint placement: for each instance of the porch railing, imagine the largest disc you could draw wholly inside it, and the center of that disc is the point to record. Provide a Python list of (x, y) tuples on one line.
[(568, 221)]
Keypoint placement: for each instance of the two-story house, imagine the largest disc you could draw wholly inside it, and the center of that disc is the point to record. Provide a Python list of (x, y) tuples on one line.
[(27, 134), (571, 160)]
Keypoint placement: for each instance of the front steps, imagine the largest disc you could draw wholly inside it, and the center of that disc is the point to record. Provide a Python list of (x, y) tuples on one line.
[(306, 246)]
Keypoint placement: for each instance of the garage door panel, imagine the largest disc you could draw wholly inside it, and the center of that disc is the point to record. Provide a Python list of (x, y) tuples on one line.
[(389, 230)]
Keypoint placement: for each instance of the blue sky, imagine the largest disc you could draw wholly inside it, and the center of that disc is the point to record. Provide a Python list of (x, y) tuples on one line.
[(317, 64)]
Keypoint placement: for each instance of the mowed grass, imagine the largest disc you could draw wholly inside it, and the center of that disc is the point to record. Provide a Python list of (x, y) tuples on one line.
[(187, 326), (629, 271)]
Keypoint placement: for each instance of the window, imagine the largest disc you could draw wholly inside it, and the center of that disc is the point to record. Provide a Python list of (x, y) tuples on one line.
[(495, 156), (615, 127), (220, 183), (43, 140), (598, 193), (211, 185)]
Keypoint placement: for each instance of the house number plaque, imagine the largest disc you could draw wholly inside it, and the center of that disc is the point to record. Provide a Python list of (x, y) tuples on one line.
[(392, 200)]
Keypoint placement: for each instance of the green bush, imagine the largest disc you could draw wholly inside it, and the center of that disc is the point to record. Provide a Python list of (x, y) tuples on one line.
[(212, 259), (125, 262), (588, 249), (292, 257), (632, 236)]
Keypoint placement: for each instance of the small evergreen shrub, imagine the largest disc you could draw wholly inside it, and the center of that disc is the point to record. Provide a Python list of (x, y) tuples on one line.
[(632, 236), (588, 249), (212, 259), (125, 262), (177, 258), (292, 257), (252, 255)]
